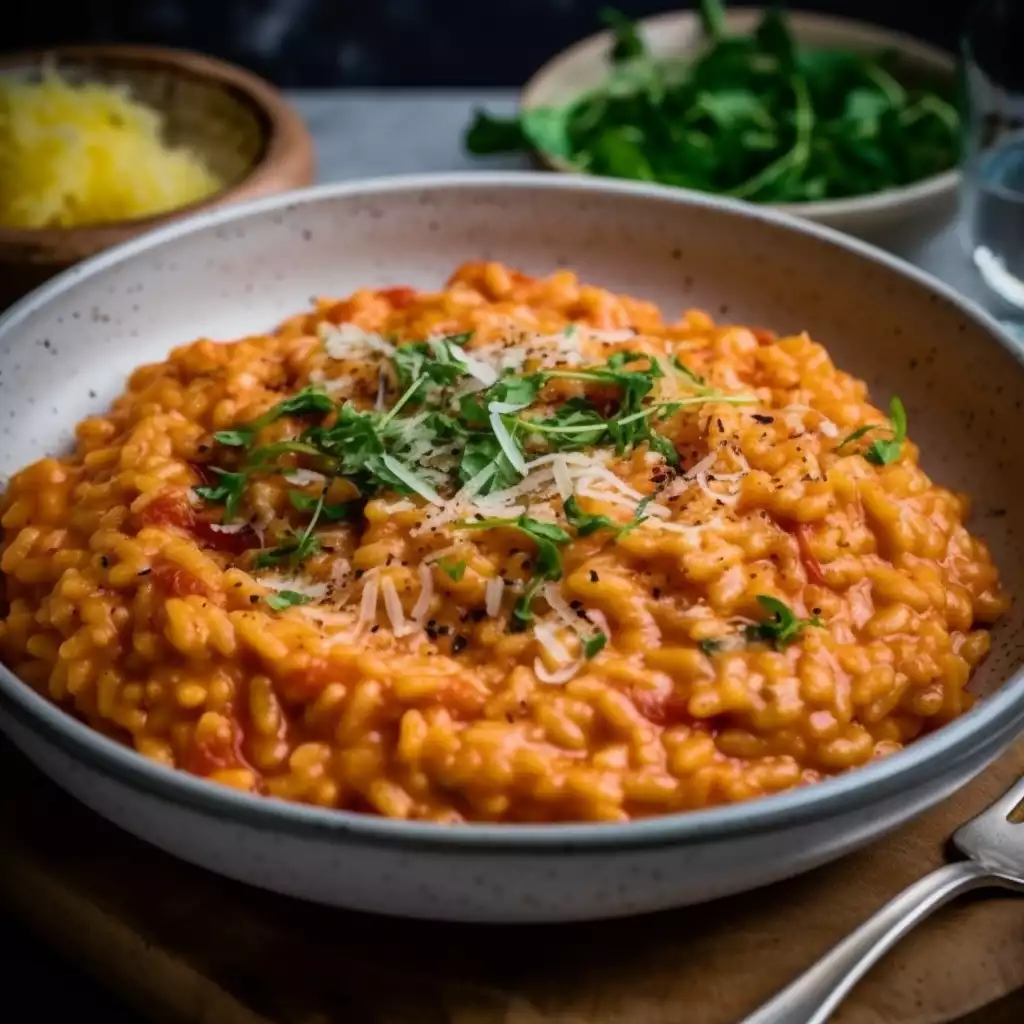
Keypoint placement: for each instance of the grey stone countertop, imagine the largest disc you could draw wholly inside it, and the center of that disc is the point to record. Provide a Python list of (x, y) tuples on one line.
[(371, 133)]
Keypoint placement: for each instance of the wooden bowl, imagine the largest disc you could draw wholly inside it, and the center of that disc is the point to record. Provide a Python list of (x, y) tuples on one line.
[(241, 126), (899, 216)]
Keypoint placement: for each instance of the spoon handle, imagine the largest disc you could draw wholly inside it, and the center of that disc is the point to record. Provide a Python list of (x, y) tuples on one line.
[(814, 996)]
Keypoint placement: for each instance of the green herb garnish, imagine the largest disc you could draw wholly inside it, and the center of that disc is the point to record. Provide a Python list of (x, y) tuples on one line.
[(883, 451), (757, 117), (454, 570), (594, 643), (286, 599), (585, 523), (783, 628), (305, 402), (229, 491), (548, 538), (342, 512)]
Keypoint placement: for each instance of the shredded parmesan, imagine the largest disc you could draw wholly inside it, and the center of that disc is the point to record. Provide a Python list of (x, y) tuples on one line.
[(559, 605), (563, 481), (421, 608), (548, 639), (412, 481), (560, 675), (368, 603), (493, 590), (393, 606), (227, 527), (347, 340), (298, 584), (494, 413), (304, 477)]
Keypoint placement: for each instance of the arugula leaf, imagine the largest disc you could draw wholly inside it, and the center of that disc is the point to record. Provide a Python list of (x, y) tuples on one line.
[(229, 490), (783, 628), (639, 516), (522, 610), (343, 512), (454, 570), (627, 42), (586, 523), (773, 37), (575, 424), (481, 451), (548, 538), (712, 18), (547, 130), (295, 551), (594, 643), (882, 451), (310, 399), (286, 599), (488, 135), (238, 438), (755, 116)]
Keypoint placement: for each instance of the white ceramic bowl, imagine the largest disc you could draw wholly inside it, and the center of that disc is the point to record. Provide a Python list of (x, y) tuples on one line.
[(65, 352), (901, 217)]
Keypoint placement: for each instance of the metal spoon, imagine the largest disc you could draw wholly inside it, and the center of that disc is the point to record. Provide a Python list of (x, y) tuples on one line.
[(994, 844)]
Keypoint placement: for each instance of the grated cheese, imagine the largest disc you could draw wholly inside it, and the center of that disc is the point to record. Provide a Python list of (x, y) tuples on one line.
[(393, 606), (493, 591), (88, 153), (346, 340), (368, 603), (412, 481), (421, 608), (560, 675), (545, 635)]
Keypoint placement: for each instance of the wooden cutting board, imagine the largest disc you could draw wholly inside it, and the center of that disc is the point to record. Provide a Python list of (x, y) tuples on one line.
[(182, 945)]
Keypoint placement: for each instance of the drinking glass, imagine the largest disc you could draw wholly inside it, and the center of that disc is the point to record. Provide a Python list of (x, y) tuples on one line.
[(992, 198)]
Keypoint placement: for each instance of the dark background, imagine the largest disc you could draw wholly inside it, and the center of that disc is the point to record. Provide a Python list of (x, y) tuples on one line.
[(313, 43), (324, 43)]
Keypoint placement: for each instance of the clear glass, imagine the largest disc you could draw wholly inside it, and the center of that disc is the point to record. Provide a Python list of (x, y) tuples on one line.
[(992, 198)]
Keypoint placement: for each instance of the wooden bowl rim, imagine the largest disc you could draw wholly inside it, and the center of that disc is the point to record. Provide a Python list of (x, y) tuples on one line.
[(287, 140), (837, 211)]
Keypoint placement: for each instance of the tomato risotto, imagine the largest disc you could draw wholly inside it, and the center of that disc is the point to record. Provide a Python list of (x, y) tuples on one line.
[(516, 550)]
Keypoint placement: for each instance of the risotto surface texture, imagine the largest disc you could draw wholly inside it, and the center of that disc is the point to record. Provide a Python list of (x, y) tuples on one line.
[(516, 550)]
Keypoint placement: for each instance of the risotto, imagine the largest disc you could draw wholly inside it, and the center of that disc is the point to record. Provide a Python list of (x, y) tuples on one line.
[(516, 550)]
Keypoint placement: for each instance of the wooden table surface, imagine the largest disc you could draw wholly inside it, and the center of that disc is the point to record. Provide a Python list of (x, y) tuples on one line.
[(187, 947)]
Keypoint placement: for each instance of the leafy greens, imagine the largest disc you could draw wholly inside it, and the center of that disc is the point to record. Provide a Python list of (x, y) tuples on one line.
[(755, 117)]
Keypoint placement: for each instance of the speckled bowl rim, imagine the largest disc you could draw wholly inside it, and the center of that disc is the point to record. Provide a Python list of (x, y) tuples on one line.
[(833, 211), (991, 722)]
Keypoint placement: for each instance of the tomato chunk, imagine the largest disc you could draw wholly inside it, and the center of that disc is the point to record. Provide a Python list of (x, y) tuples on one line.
[(400, 297), (665, 709), (175, 581), (172, 508)]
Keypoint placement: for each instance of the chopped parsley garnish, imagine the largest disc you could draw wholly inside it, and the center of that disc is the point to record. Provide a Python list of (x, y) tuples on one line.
[(286, 599), (783, 628), (711, 645), (883, 450)]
